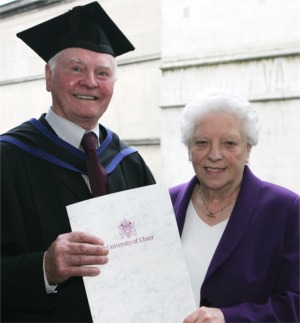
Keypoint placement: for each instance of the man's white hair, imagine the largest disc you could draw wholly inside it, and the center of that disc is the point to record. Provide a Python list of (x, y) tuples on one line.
[(53, 60)]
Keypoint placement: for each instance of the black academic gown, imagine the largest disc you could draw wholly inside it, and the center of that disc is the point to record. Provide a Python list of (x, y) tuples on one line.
[(40, 176)]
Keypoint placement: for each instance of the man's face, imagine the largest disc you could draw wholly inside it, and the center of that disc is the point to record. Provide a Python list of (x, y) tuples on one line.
[(81, 84)]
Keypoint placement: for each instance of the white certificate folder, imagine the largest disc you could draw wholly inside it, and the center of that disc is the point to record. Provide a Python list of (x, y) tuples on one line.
[(146, 279)]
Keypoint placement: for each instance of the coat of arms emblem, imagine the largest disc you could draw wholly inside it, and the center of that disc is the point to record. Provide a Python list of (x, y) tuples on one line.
[(126, 228)]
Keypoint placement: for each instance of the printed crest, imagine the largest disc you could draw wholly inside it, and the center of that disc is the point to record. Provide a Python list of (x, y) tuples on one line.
[(126, 228)]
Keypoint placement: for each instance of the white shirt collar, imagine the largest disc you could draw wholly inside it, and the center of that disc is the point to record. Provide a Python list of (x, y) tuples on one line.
[(67, 130)]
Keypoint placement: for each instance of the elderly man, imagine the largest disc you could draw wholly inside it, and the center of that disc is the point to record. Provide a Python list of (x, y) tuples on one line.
[(46, 165)]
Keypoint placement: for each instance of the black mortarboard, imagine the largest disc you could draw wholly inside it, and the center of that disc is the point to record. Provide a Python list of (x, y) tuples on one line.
[(87, 27)]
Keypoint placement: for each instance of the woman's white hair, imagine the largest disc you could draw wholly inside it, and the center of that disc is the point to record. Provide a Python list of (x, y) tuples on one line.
[(219, 101)]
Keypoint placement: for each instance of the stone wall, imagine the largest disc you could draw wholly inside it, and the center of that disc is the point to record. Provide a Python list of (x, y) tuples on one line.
[(182, 48), (251, 47)]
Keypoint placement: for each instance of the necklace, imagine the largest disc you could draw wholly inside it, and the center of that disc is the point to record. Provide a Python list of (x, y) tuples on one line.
[(212, 214)]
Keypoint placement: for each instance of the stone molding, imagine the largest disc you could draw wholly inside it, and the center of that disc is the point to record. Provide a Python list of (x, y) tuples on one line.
[(229, 59), (121, 62)]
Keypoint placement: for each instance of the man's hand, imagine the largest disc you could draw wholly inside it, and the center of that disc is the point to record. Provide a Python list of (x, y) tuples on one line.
[(206, 315), (69, 255)]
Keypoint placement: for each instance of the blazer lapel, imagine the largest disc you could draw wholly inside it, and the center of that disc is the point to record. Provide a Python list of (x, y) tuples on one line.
[(182, 201), (238, 222)]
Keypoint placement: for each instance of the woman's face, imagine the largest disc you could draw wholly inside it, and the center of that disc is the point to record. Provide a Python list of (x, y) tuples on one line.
[(219, 151)]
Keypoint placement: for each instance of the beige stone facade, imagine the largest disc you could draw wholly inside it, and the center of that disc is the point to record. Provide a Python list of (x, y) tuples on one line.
[(182, 48)]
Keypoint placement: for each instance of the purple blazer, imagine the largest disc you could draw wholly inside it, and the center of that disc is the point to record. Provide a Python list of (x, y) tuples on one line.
[(254, 273)]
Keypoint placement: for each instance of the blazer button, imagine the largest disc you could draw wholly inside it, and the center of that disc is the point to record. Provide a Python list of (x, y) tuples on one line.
[(205, 302)]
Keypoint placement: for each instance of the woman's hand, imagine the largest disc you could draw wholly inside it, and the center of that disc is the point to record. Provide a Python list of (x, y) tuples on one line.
[(206, 315)]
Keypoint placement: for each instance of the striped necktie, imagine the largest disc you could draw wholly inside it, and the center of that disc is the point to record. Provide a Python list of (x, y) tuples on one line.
[(95, 171)]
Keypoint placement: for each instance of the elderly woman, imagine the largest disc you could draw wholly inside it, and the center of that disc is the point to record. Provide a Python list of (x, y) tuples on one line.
[(240, 235)]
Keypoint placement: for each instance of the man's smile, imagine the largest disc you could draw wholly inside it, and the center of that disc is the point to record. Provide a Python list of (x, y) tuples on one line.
[(85, 97)]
